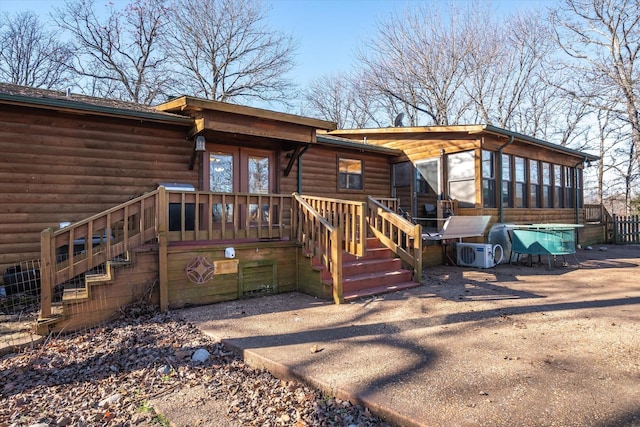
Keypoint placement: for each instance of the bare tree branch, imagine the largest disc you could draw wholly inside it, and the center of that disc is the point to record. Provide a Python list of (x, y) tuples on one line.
[(30, 56), (119, 56), (224, 51)]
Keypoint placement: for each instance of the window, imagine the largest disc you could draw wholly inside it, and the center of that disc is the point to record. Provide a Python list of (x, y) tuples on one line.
[(428, 179), (488, 179), (461, 173), (350, 174), (534, 184), (579, 187), (221, 172), (507, 200), (569, 195), (520, 199), (547, 194), (557, 187)]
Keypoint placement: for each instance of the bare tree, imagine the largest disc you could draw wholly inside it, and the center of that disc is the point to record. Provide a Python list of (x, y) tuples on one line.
[(602, 41), (343, 99), (30, 56), (223, 50), (119, 56), (417, 58), (504, 70)]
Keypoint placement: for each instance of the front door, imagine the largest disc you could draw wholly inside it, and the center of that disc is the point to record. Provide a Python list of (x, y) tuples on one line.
[(239, 170)]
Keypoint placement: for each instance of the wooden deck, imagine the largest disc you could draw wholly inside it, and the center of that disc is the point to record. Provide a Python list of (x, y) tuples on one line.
[(181, 248)]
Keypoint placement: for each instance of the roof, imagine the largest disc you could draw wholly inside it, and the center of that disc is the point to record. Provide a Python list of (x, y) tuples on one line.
[(192, 104), (469, 129), (336, 141), (71, 102)]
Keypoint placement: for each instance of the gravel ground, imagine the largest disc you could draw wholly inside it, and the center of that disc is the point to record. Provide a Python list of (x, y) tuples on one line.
[(112, 374)]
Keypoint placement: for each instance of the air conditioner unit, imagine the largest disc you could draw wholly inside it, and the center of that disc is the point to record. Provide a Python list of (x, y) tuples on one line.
[(481, 255)]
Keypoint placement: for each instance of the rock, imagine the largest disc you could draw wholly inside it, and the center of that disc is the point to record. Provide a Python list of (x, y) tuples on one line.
[(603, 248), (201, 355), (106, 402), (164, 370), (63, 421)]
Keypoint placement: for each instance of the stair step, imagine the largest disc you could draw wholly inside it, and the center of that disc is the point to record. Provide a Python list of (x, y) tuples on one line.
[(367, 266), (42, 324), (374, 280), (75, 294), (83, 293), (371, 253), (362, 293)]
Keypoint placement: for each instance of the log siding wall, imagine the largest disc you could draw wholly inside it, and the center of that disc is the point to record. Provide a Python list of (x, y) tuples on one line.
[(64, 167), (320, 174)]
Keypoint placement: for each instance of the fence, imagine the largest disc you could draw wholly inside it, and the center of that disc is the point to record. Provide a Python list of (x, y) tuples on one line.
[(626, 229)]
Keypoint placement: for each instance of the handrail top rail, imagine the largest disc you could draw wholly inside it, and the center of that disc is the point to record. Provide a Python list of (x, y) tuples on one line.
[(403, 223), (105, 212), (223, 193), (330, 199), (313, 212)]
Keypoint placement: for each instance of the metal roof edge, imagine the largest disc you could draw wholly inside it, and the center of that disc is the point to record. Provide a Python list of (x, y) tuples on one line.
[(532, 140), (351, 144), (77, 105)]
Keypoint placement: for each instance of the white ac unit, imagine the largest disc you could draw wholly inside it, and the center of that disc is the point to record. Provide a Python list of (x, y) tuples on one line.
[(481, 255)]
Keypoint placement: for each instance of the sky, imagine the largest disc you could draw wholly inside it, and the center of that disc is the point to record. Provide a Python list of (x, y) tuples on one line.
[(328, 31)]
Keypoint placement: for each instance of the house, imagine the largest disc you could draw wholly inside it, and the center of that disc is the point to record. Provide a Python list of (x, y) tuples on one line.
[(196, 201)]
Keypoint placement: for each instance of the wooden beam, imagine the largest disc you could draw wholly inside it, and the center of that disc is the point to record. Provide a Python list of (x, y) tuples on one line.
[(299, 150)]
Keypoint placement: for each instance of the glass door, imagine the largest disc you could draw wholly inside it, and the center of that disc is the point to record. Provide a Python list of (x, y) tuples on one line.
[(240, 170)]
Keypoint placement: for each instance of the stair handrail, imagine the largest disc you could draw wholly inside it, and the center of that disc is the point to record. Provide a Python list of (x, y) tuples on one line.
[(398, 234), (115, 230), (320, 239), (348, 215)]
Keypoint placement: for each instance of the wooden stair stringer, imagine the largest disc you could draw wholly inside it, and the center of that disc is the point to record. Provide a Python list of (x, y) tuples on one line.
[(77, 295)]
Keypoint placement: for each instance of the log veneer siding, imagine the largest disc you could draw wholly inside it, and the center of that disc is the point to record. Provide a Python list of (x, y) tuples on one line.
[(59, 167)]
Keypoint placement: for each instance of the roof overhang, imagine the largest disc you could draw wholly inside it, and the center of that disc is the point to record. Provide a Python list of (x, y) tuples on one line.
[(75, 106), (350, 144), (467, 129), (241, 123)]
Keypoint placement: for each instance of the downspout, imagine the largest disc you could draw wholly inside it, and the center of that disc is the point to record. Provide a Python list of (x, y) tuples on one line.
[(575, 189), (501, 201), (299, 175)]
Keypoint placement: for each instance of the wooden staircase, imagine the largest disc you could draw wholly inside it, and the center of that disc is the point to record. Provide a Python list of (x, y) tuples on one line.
[(377, 272), (75, 295), (71, 295)]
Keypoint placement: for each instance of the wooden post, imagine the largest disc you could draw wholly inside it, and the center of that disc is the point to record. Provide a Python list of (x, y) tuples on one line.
[(362, 229), (163, 273), (417, 252), (336, 265), (47, 271)]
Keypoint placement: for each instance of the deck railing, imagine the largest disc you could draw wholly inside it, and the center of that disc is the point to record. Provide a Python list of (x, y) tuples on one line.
[(594, 213), (348, 216), (320, 239), (400, 235), (200, 215), (85, 245)]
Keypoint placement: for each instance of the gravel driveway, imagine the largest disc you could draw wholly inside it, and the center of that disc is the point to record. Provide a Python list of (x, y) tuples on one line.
[(512, 345)]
